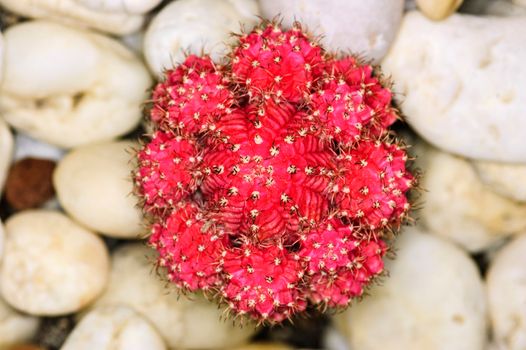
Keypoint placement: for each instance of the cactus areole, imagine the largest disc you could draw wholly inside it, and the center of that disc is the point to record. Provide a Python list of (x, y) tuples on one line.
[(272, 179)]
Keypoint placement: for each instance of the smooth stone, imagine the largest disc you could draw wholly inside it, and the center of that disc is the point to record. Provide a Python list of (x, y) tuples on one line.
[(114, 328), (6, 152), (182, 320), (460, 83), (433, 299), (347, 26), (51, 265), (508, 180), (72, 12), (438, 9), (458, 206), (506, 289), (519, 2), (94, 185), (193, 27), (79, 88), (15, 327), (2, 239)]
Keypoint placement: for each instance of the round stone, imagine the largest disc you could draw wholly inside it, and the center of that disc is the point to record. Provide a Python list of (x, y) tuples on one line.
[(433, 299), (15, 327), (79, 88), (181, 320), (458, 206), (114, 328), (507, 295), (6, 152), (462, 83), (94, 185), (51, 266), (347, 26), (506, 179), (195, 26)]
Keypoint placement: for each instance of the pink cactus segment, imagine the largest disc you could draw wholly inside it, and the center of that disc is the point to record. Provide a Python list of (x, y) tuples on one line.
[(326, 250), (352, 102), (272, 62), (371, 187), (340, 266), (192, 97), (263, 282), (272, 179), (167, 171), (188, 248)]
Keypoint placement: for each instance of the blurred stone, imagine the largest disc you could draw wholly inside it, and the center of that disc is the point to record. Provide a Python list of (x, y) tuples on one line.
[(29, 184), (94, 185), (15, 327), (461, 83), (51, 265), (458, 206), (433, 299), (185, 322), (508, 180), (438, 9), (6, 151), (506, 289), (195, 26), (114, 328), (365, 28)]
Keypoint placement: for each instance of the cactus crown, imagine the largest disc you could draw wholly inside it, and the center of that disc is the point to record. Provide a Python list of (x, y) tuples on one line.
[(272, 179)]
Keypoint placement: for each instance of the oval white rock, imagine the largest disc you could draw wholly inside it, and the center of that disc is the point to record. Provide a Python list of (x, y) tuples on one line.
[(78, 88), (463, 83), (457, 205), (114, 328), (6, 151), (362, 27), (507, 295), (74, 13), (433, 299), (15, 327), (51, 266), (94, 185), (508, 180), (182, 322), (194, 26)]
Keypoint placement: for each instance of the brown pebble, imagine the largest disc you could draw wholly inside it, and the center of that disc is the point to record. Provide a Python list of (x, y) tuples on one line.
[(29, 183)]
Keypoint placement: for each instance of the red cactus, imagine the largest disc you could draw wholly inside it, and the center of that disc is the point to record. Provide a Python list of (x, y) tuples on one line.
[(287, 152)]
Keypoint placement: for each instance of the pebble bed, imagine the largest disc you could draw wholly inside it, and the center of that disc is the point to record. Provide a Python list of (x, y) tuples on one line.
[(75, 273)]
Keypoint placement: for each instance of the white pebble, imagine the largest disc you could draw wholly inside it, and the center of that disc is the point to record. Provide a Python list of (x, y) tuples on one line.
[(51, 266), (508, 180), (433, 299), (184, 322), (462, 83), (366, 28), (73, 12), (15, 327), (94, 185), (194, 26), (6, 152), (78, 88), (457, 205), (114, 328), (507, 295)]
